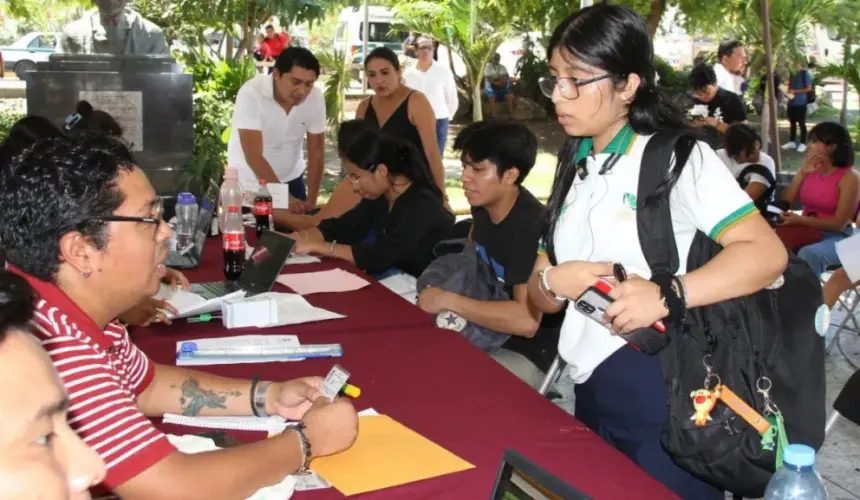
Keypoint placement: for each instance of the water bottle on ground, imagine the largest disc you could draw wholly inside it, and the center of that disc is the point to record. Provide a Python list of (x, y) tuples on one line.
[(186, 221), (233, 243), (263, 209), (230, 195), (797, 479)]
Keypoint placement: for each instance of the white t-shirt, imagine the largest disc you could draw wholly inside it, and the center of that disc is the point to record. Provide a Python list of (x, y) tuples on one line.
[(437, 83), (727, 80), (283, 134), (598, 224), (736, 168)]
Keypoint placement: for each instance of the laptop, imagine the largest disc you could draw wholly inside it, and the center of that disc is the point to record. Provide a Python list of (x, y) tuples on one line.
[(521, 479), (258, 276)]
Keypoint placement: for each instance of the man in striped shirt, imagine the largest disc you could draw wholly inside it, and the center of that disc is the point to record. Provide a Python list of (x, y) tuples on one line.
[(81, 222)]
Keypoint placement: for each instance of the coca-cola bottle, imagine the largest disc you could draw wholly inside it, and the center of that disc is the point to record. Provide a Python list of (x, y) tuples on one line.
[(233, 238), (263, 209)]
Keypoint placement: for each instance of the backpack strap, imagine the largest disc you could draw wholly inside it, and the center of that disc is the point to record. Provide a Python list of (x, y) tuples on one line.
[(653, 216), (764, 172)]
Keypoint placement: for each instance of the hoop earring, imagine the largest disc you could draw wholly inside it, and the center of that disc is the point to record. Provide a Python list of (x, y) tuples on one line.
[(87, 273)]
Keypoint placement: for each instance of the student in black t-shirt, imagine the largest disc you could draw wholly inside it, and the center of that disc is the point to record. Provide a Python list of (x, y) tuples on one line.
[(724, 108), (400, 218), (507, 222)]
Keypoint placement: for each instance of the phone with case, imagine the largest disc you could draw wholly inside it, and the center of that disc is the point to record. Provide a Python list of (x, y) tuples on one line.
[(593, 303)]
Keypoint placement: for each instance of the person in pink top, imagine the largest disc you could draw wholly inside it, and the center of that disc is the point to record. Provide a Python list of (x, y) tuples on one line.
[(828, 188)]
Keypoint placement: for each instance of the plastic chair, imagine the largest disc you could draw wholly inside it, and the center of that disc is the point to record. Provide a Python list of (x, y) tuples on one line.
[(552, 375), (847, 403), (848, 301)]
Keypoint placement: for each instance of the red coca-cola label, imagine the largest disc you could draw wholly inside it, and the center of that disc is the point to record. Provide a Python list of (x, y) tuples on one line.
[(262, 208), (233, 242)]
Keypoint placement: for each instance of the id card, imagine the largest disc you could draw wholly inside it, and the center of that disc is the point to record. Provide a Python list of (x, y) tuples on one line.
[(334, 382)]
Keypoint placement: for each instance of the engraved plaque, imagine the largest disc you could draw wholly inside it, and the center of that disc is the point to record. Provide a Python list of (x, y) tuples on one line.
[(125, 106)]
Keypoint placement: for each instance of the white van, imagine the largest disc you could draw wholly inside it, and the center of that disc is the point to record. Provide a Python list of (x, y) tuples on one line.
[(382, 29)]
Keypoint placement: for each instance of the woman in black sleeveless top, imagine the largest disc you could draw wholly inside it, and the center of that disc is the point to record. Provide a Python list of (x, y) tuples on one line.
[(400, 111)]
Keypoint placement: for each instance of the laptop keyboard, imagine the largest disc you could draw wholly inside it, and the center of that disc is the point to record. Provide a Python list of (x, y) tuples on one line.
[(216, 289)]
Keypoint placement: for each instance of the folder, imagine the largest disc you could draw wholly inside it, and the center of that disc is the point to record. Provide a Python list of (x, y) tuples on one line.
[(385, 454)]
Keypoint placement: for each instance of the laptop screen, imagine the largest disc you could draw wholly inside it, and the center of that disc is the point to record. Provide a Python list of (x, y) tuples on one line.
[(521, 479), (264, 265)]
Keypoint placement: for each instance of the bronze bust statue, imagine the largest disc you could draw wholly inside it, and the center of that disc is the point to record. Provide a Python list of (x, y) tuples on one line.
[(112, 28)]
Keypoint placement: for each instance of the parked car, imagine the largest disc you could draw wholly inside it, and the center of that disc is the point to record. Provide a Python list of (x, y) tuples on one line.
[(22, 56)]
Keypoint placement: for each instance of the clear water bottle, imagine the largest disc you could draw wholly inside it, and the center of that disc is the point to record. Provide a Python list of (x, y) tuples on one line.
[(230, 195), (186, 221), (797, 479)]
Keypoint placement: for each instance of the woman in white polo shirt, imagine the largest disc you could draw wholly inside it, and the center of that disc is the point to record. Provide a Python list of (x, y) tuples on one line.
[(607, 101)]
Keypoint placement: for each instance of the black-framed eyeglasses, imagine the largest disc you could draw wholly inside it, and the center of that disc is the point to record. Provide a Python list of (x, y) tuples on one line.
[(156, 218), (567, 86)]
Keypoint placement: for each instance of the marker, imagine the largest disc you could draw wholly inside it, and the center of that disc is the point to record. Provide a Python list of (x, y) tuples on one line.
[(351, 390), (203, 318)]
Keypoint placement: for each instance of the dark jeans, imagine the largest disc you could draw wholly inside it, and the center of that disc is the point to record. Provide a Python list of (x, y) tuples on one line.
[(797, 117), (298, 189), (624, 402), (442, 134)]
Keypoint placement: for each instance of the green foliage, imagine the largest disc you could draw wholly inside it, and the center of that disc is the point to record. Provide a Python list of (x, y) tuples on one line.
[(473, 29), (531, 68), (671, 80), (216, 85), (8, 116), (338, 77)]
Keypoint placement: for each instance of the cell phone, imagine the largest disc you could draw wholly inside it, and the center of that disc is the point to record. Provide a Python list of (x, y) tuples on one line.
[(594, 301)]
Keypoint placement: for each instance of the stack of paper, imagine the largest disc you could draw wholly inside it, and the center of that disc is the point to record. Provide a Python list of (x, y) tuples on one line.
[(332, 280), (270, 425), (386, 454), (293, 309)]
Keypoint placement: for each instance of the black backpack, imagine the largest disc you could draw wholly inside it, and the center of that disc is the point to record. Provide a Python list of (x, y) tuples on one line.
[(769, 334), (761, 170)]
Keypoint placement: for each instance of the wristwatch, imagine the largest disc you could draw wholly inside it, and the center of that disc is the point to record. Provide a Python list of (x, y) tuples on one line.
[(259, 406), (305, 444)]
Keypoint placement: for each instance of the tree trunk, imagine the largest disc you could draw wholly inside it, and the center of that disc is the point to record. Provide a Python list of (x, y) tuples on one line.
[(477, 102), (658, 7), (846, 60)]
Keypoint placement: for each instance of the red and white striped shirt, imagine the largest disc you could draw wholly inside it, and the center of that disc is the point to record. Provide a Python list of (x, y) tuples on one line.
[(104, 373)]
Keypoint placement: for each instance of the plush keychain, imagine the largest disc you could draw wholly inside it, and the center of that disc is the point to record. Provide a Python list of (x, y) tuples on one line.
[(703, 402)]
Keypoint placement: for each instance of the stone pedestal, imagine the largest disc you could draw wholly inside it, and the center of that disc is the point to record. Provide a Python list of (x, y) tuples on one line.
[(149, 96)]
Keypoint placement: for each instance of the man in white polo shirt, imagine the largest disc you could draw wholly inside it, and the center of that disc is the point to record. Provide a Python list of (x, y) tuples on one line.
[(273, 114), (437, 83), (732, 59)]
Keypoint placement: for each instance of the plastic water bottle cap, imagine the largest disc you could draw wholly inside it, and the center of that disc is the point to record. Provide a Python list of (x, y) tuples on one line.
[(186, 198), (799, 455), (263, 182)]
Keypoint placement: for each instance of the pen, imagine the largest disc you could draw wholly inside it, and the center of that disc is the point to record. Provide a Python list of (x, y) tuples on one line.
[(203, 318), (351, 390)]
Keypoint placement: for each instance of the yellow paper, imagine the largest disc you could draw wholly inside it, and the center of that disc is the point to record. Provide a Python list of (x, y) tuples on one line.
[(385, 454)]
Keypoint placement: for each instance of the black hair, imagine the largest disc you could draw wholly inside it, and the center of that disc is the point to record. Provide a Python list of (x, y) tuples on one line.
[(85, 119), (371, 149), (834, 134), (615, 39), (16, 303), (383, 53), (269, 27), (297, 56), (348, 131), (56, 187), (740, 138), (727, 48), (23, 134), (507, 145), (701, 76)]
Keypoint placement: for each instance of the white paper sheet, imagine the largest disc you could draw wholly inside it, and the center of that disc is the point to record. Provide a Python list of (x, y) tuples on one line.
[(848, 251), (293, 309), (403, 285), (301, 259), (332, 280), (199, 444), (181, 299)]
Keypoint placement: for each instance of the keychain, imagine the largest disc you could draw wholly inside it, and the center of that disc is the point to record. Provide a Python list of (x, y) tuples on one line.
[(705, 399)]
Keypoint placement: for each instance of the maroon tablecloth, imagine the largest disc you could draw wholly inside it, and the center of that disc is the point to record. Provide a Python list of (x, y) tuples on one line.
[(439, 385)]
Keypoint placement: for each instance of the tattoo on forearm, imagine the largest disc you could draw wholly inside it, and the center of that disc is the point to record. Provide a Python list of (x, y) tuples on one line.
[(194, 398)]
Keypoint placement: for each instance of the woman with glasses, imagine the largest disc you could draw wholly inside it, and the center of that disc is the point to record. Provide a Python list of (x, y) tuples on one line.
[(400, 111), (607, 101), (399, 220)]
